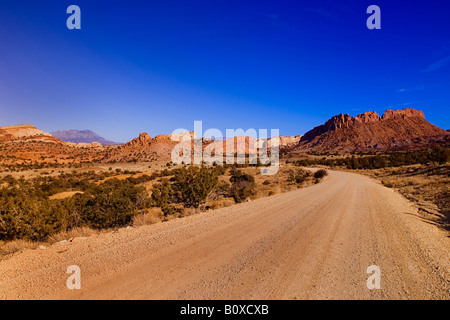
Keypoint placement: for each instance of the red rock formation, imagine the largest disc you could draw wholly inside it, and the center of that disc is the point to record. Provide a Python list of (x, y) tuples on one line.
[(405, 128), (367, 117), (402, 114), (27, 144), (336, 122), (25, 132), (143, 148)]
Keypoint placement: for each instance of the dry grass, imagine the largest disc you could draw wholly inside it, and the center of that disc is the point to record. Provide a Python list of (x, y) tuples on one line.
[(151, 216), (11, 247), (220, 203), (16, 246), (63, 195), (75, 233), (427, 186)]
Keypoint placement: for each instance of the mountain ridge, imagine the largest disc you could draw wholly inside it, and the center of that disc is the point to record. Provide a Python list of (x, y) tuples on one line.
[(82, 136), (395, 129)]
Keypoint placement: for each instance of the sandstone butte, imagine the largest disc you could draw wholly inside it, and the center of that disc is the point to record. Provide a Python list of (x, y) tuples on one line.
[(395, 130)]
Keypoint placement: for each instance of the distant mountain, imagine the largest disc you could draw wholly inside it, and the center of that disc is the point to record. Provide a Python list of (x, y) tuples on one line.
[(395, 130), (82, 136)]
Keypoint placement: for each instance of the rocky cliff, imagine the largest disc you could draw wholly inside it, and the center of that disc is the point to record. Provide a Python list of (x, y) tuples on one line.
[(396, 129)]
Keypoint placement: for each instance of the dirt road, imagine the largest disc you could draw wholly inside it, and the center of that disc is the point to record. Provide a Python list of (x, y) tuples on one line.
[(312, 243)]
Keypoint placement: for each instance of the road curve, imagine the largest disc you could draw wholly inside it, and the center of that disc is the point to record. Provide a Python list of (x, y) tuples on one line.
[(312, 243)]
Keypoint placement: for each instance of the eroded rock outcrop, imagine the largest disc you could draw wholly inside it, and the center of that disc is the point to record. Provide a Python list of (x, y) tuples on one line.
[(405, 128), (25, 144), (24, 131), (142, 148), (402, 114)]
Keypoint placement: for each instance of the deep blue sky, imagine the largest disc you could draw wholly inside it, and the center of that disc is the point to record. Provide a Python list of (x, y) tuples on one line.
[(156, 66)]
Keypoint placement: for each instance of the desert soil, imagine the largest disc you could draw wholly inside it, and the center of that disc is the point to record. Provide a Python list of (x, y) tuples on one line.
[(311, 243)]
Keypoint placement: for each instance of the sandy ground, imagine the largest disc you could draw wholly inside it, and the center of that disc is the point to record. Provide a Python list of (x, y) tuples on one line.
[(311, 243)]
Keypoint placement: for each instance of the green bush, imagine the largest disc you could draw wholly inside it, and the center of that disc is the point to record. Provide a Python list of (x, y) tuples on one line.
[(194, 184), (319, 174), (435, 155), (299, 176), (242, 185), (162, 196), (221, 190), (26, 212)]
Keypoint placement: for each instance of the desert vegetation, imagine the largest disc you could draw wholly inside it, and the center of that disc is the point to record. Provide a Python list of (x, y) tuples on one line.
[(433, 156), (426, 186), (27, 212), (44, 205)]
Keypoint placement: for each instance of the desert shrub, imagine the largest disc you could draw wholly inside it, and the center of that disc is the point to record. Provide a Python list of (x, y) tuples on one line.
[(242, 185), (104, 210), (26, 212), (24, 216), (319, 174), (387, 184), (194, 184), (302, 176), (9, 179), (298, 176), (220, 191), (439, 155), (190, 187), (435, 155), (162, 196)]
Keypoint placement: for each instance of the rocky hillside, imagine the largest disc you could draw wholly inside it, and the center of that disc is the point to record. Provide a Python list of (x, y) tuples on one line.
[(143, 148), (24, 132), (82, 136), (395, 130), (159, 148), (25, 144)]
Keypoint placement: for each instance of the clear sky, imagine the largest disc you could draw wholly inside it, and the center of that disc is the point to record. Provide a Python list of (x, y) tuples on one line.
[(156, 66)]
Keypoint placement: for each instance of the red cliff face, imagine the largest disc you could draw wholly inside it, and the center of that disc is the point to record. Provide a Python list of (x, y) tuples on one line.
[(346, 121), (336, 122), (369, 131), (367, 117), (402, 114)]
